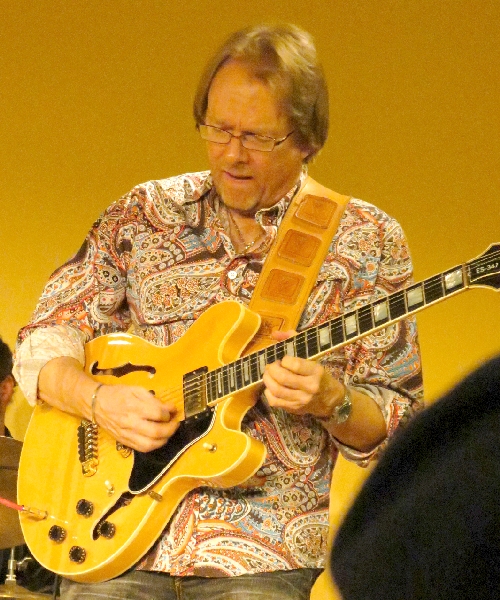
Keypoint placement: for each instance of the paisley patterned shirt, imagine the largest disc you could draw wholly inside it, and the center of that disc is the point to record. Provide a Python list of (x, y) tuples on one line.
[(152, 264)]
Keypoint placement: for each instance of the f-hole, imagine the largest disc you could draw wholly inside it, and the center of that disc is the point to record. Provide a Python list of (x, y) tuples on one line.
[(122, 370)]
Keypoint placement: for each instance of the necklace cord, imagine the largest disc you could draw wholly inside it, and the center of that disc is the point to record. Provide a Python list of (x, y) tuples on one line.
[(248, 245)]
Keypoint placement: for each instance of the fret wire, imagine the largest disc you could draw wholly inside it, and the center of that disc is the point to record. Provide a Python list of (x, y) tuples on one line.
[(247, 378), (225, 379), (232, 379), (280, 351), (311, 338), (239, 374), (365, 318), (262, 362), (211, 388), (443, 289), (337, 331), (220, 382), (254, 374), (301, 345)]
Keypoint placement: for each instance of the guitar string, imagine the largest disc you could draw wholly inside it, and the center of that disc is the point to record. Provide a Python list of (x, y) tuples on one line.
[(253, 360), (195, 383)]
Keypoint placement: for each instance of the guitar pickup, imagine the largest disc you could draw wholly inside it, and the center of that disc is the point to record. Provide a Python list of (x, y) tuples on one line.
[(194, 390)]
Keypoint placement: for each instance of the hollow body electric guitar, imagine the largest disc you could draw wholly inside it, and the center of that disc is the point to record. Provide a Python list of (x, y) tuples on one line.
[(97, 506)]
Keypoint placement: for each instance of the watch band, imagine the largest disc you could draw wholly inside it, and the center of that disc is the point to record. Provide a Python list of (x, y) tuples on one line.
[(341, 412)]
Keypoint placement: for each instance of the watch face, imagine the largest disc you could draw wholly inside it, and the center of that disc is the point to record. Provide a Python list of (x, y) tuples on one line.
[(343, 411)]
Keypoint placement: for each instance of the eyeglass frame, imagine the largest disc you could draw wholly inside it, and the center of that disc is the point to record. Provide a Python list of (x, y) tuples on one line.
[(242, 136)]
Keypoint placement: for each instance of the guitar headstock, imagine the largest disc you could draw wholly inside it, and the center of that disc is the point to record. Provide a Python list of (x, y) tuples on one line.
[(484, 270)]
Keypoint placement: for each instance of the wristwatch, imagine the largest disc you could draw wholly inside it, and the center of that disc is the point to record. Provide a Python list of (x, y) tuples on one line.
[(341, 412)]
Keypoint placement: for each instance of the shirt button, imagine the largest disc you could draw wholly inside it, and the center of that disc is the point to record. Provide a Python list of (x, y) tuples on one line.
[(232, 274)]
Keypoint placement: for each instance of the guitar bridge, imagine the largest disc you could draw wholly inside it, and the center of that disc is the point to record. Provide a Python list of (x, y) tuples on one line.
[(87, 448)]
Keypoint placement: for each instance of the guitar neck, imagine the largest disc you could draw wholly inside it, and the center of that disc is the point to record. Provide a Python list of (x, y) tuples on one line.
[(203, 389)]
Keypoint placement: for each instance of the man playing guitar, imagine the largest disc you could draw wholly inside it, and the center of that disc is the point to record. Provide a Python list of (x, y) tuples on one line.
[(171, 250)]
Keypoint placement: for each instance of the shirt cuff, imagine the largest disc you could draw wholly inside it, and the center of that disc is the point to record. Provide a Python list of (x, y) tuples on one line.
[(384, 399)]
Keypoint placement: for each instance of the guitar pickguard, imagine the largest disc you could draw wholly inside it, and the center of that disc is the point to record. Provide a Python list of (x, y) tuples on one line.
[(150, 466)]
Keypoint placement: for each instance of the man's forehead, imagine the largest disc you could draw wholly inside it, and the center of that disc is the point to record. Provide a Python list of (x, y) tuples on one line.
[(238, 99)]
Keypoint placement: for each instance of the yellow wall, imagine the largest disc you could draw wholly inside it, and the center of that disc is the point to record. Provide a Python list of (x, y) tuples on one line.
[(96, 97)]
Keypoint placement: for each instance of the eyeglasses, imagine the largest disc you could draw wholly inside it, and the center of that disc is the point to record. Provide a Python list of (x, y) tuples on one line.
[(250, 141)]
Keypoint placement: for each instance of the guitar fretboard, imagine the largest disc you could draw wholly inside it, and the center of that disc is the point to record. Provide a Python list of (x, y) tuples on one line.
[(203, 389)]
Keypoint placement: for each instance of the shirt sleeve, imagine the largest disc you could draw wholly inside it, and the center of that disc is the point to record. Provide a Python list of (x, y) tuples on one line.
[(84, 298), (385, 365), (39, 348)]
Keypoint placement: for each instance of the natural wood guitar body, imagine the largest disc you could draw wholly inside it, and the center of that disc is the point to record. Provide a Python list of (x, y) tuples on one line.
[(51, 477)]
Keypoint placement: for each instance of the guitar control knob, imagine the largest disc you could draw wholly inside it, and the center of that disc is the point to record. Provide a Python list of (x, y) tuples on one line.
[(85, 508), (107, 529), (57, 534), (77, 554)]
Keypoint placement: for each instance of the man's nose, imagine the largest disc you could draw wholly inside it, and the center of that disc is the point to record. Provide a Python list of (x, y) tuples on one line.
[(235, 149)]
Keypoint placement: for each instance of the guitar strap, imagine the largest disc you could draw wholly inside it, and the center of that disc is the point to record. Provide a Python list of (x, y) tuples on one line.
[(293, 263)]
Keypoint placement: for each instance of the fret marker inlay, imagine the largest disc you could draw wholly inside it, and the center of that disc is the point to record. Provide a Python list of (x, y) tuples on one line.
[(324, 337), (380, 312), (351, 325), (453, 279), (415, 296)]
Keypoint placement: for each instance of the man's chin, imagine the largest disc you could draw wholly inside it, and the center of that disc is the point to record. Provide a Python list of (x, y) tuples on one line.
[(240, 199)]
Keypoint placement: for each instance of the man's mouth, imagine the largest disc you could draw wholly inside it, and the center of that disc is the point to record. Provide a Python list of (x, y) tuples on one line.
[(237, 176)]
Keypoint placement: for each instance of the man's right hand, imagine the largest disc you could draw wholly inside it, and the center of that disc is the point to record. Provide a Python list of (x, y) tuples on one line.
[(130, 414), (134, 417)]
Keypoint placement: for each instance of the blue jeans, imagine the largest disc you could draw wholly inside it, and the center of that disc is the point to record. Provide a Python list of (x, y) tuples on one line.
[(146, 585)]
